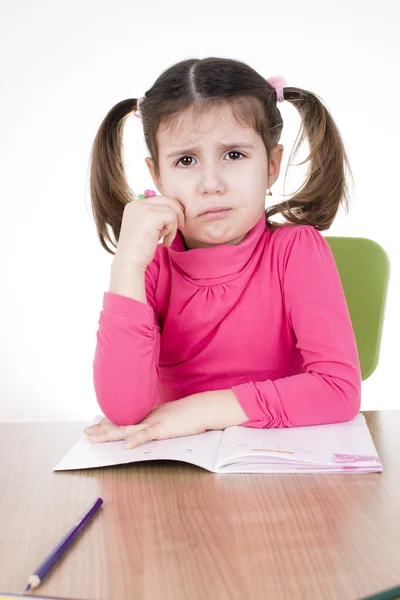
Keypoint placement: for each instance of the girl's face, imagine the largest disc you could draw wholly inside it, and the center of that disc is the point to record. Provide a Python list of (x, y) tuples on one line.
[(215, 162)]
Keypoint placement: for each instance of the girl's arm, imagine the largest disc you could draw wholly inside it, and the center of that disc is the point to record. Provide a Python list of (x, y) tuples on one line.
[(129, 281), (329, 390), (125, 365)]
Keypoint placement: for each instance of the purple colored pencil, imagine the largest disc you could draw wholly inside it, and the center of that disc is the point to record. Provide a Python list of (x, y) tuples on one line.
[(37, 577)]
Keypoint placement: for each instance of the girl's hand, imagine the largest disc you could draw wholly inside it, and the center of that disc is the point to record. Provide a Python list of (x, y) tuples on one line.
[(178, 418), (144, 223)]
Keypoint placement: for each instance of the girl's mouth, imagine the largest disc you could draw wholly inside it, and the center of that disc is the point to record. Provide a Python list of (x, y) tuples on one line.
[(215, 214)]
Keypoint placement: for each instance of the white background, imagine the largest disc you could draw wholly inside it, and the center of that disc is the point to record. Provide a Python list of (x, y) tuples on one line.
[(65, 64)]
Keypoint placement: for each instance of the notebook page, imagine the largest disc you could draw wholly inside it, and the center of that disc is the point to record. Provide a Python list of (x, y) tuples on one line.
[(289, 468), (347, 443), (200, 450)]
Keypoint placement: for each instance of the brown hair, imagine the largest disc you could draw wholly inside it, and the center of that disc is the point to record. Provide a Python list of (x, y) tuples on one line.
[(211, 82)]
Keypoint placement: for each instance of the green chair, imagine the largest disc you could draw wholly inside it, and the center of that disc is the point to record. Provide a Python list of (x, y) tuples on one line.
[(364, 270)]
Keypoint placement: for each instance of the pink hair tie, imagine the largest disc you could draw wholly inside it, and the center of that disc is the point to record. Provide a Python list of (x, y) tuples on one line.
[(137, 112), (278, 83)]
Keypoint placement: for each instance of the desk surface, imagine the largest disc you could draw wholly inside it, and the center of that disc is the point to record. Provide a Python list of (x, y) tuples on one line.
[(170, 530)]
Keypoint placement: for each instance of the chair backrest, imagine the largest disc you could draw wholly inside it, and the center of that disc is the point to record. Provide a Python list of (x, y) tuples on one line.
[(364, 270)]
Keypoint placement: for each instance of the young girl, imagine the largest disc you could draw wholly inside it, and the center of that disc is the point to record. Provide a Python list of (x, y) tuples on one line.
[(233, 319)]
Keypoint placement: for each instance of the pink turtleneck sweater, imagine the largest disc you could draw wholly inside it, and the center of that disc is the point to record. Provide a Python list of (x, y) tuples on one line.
[(266, 318)]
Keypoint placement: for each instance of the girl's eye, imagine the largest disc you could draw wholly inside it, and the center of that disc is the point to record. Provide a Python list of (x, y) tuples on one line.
[(188, 165)]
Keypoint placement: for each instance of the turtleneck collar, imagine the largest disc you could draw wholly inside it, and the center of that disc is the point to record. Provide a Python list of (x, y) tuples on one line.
[(216, 261)]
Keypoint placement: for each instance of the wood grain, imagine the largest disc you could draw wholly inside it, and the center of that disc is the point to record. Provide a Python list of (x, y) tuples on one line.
[(170, 530)]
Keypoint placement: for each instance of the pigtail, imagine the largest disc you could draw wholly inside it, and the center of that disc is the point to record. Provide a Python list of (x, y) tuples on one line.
[(109, 190), (317, 201)]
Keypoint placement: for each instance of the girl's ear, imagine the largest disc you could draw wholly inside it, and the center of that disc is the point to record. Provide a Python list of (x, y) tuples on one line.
[(156, 180), (275, 164)]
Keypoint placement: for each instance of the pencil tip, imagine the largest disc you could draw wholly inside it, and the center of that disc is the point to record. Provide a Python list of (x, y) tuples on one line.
[(28, 587)]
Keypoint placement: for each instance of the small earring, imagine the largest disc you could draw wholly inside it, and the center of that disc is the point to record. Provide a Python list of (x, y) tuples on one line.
[(269, 193)]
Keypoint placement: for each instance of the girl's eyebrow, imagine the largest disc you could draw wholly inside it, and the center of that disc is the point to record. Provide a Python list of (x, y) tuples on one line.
[(220, 147)]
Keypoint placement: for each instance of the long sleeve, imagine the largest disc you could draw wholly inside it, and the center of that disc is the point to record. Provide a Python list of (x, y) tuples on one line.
[(125, 365), (329, 390)]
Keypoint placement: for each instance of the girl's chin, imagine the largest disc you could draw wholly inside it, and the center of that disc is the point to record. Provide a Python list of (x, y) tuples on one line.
[(213, 238)]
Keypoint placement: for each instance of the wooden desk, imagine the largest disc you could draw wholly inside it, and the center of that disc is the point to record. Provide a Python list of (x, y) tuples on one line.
[(169, 530)]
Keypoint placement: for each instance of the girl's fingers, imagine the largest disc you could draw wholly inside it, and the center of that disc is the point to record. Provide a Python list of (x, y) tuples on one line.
[(105, 431), (114, 433), (95, 427), (178, 210), (176, 206), (92, 429), (140, 437), (146, 434), (169, 238), (109, 434)]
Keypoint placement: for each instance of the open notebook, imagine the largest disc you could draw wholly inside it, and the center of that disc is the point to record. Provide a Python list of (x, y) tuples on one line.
[(333, 448)]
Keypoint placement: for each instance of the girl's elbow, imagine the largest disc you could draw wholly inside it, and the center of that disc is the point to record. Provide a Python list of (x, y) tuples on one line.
[(124, 416), (121, 410), (353, 402), (346, 397)]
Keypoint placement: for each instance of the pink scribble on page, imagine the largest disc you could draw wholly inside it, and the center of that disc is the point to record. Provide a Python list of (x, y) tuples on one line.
[(353, 458)]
